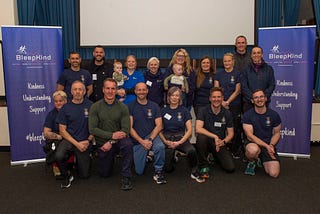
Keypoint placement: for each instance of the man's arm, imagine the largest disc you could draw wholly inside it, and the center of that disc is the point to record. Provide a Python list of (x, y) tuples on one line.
[(50, 135), (89, 90), (245, 91), (248, 129), (271, 83), (201, 130), (81, 146), (147, 144), (276, 135), (157, 128)]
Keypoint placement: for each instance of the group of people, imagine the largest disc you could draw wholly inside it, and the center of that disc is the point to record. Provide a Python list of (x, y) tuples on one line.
[(105, 111)]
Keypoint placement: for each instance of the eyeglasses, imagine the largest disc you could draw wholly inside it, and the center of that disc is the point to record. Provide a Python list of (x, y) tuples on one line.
[(259, 97), (181, 56)]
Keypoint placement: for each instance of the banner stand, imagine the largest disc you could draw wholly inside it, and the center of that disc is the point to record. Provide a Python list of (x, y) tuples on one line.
[(33, 61), (290, 51)]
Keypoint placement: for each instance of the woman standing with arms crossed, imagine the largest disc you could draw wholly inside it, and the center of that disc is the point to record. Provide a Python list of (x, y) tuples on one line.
[(177, 129), (229, 80)]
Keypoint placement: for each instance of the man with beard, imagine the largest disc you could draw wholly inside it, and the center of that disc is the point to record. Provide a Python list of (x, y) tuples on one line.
[(262, 127), (72, 74), (214, 126), (99, 69)]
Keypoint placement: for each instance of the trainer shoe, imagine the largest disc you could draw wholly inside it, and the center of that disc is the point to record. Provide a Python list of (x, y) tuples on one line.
[(66, 183), (258, 163), (204, 172), (126, 183), (196, 176), (159, 178), (250, 168)]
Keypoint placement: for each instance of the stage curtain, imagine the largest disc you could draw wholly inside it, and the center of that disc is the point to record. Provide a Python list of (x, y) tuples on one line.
[(26, 11), (316, 5), (291, 12), (269, 13)]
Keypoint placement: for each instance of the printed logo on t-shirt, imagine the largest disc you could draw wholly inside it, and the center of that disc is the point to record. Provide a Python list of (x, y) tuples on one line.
[(232, 79), (86, 112), (149, 113), (268, 122), (179, 116), (223, 120), (210, 80), (82, 78)]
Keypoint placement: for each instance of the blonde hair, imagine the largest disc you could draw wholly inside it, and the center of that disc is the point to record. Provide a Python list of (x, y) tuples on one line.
[(153, 59), (187, 62), (60, 93)]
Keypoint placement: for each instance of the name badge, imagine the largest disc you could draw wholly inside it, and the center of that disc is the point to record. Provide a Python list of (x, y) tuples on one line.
[(167, 116), (217, 124), (94, 76), (149, 83)]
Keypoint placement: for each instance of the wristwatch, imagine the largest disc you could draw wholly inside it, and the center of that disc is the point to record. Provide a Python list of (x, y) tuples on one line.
[(150, 139)]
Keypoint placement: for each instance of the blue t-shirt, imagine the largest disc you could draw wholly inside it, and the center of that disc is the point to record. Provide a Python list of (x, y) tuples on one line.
[(228, 81), (144, 117), (262, 124), (216, 124), (50, 121), (75, 117), (68, 76), (174, 120), (130, 83)]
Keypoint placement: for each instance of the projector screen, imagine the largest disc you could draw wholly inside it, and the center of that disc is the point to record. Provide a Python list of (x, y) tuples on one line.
[(165, 22)]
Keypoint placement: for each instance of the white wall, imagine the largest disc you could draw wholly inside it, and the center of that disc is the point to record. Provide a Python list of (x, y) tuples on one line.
[(8, 16)]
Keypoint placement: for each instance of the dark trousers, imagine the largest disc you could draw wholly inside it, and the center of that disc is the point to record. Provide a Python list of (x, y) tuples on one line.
[(237, 127), (83, 159), (105, 160), (205, 145), (186, 148)]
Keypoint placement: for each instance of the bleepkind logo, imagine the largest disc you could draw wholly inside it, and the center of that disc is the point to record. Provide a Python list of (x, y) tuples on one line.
[(22, 55), (277, 54)]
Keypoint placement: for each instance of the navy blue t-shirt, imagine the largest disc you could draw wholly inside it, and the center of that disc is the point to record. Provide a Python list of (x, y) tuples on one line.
[(68, 76), (50, 121), (263, 124), (216, 124), (144, 117), (75, 117), (203, 92), (228, 81), (174, 120)]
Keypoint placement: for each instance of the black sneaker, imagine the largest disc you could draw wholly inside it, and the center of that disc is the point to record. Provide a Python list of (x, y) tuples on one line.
[(159, 178), (66, 183), (126, 183)]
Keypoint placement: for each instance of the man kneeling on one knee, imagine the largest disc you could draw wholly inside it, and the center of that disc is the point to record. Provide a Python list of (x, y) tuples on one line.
[(262, 128)]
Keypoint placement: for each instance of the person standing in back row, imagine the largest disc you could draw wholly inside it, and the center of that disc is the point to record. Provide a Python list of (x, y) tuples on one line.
[(99, 69), (259, 75), (75, 72)]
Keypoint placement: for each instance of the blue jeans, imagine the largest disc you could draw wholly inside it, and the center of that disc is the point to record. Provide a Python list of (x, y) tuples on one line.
[(140, 155)]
